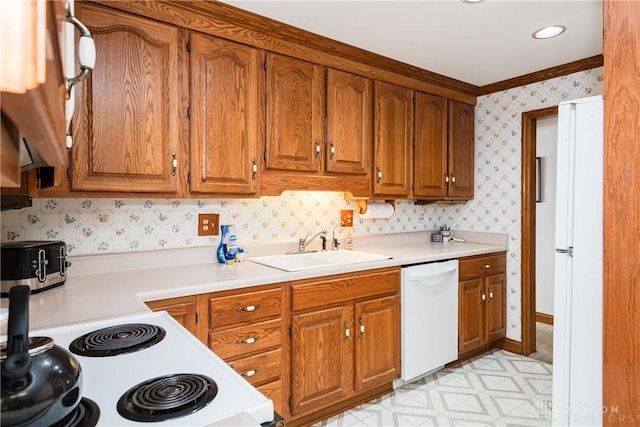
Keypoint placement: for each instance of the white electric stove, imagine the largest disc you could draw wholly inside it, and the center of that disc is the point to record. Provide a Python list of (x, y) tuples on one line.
[(107, 379)]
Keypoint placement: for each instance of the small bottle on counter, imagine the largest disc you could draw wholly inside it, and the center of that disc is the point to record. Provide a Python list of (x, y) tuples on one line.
[(348, 244)]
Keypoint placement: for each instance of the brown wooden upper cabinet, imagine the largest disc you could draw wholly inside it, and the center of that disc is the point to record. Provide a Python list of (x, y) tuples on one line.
[(227, 115), (127, 128), (319, 132), (349, 123), (444, 150), (295, 114), (393, 139)]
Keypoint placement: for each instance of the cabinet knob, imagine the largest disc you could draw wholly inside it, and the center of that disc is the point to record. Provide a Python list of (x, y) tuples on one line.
[(346, 331), (250, 373), (174, 163), (485, 267), (317, 148), (254, 168), (332, 150), (453, 179), (248, 308), (248, 340), (361, 327), (490, 295), (446, 178), (378, 174), (483, 296), (86, 52)]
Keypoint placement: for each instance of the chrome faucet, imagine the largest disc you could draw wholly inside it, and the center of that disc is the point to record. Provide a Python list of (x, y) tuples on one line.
[(304, 242)]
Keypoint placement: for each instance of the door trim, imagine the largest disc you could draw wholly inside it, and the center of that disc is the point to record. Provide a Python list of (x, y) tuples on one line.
[(528, 230)]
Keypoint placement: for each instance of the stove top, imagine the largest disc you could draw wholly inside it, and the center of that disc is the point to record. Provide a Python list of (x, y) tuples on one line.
[(178, 361)]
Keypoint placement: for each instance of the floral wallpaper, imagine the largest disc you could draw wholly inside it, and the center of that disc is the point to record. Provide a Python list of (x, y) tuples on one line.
[(94, 226)]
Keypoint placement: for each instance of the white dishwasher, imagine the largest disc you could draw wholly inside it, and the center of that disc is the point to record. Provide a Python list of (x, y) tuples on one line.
[(429, 313)]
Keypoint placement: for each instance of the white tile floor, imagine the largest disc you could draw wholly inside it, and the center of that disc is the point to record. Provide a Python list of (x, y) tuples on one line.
[(495, 389)]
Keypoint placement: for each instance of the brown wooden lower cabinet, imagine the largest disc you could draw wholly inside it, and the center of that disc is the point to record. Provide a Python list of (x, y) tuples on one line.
[(243, 327), (183, 309), (349, 347), (339, 345), (482, 301)]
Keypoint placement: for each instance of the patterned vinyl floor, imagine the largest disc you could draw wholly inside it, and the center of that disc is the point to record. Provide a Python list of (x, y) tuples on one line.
[(495, 389)]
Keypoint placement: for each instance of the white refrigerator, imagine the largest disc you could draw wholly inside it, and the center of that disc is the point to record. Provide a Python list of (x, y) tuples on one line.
[(577, 340)]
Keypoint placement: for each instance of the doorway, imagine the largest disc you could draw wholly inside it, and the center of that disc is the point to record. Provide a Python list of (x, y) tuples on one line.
[(528, 230)]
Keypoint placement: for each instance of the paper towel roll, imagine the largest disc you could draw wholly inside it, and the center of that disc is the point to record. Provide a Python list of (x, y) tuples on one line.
[(378, 210)]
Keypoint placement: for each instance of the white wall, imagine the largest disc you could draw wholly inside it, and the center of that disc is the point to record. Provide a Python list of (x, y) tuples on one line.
[(546, 143)]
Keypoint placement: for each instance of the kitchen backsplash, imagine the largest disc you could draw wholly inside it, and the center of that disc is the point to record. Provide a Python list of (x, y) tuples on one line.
[(93, 226)]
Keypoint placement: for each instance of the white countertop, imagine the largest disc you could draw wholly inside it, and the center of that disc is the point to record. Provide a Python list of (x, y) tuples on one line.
[(113, 285)]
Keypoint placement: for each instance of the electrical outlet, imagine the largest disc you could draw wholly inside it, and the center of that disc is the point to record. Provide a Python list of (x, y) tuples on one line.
[(208, 224), (346, 217)]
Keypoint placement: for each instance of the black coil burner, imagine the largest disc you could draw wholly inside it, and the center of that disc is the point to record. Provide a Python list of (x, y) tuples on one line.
[(86, 414), (167, 397), (116, 340)]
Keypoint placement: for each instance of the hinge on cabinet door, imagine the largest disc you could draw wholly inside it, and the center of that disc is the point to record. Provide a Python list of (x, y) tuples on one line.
[(290, 402), (189, 178), (290, 331), (264, 64), (189, 113), (69, 173), (413, 143), (189, 46), (265, 155), (196, 317)]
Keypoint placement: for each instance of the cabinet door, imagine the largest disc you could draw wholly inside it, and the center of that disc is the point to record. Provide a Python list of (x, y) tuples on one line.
[(430, 155), (295, 114), (127, 124), (496, 307), (377, 331), (470, 307), (227, 115), (183, 309), (461, 150), (321, 358), (349, 123), (392, 141)]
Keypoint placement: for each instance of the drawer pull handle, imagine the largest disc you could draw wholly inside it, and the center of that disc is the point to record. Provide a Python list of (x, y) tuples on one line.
[(346, 331), (248, 308), (250, 373), (486, 267), (248, 340)]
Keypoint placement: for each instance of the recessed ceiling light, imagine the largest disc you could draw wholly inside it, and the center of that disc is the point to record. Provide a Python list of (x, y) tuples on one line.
[(472, 1), (549, 32)]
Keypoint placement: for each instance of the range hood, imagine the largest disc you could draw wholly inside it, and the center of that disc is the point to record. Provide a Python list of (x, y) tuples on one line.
[(8, 202)]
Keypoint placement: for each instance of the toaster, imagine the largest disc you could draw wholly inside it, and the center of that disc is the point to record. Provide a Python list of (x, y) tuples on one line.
[(40, 265)]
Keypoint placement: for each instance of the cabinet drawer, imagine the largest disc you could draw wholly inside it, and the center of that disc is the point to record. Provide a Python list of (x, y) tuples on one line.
[(259, 368), (273, 391), (474, 267), (343, 288), (246, 339), (244, 308)]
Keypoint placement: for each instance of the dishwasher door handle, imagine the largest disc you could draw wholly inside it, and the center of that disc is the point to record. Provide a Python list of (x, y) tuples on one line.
[(428, 276)]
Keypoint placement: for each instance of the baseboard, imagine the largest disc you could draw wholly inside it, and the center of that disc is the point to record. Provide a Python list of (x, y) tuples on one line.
[(513, 346), (544, 318)]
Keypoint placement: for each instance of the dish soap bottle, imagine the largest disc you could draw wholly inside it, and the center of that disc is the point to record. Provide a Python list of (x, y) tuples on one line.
[(228, 246), (349, 240)]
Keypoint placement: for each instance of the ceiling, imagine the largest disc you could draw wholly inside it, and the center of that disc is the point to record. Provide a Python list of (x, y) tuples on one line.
[(479, 43)]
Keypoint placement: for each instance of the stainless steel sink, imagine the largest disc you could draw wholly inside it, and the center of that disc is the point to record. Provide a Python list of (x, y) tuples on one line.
[(309, 260)]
